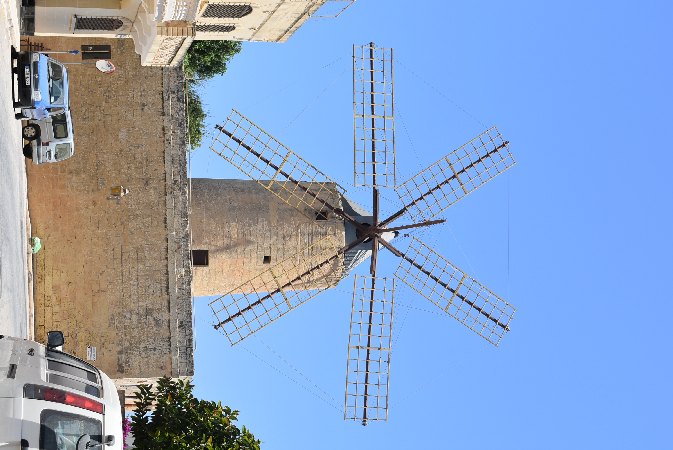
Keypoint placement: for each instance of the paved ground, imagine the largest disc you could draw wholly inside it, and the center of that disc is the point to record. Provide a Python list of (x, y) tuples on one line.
[(14, 257)]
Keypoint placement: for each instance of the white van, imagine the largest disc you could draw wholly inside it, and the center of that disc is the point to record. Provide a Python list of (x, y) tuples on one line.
[(50, 137), (52, 400)]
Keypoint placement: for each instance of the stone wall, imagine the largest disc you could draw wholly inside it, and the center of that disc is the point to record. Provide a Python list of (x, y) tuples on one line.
[(115, 274)]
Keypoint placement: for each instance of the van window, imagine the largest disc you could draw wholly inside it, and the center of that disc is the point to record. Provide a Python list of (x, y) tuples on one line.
[(62, 151), (55, 83), (69, 359), (60, 126), (79, 372), (55, 70), (60, 430), (55, 378)]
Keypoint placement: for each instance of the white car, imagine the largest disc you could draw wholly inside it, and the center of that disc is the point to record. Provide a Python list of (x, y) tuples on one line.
[(53, 400), (50, 135)]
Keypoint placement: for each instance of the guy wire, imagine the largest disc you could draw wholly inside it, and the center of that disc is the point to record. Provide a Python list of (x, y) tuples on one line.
[(333, 405)]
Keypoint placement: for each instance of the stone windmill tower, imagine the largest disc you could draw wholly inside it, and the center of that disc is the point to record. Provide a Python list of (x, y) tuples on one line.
[(239, 230), (289, 233)]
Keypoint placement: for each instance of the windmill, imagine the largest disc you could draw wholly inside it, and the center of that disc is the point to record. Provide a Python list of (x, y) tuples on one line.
[(322, 264)]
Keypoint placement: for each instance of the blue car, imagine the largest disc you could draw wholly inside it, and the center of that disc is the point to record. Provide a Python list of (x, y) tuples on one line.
[(42, 81)]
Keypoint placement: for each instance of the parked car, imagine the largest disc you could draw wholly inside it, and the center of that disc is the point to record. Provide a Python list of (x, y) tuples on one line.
[(50, 139), (42, 96), (42, 81), (52, 400)]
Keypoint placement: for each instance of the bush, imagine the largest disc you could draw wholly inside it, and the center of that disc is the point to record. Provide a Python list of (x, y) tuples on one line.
[(180, 421), (196, 116)]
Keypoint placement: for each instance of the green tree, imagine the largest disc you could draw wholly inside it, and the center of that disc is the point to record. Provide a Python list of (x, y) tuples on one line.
[(205, 59), (180, 421), (196, 116)]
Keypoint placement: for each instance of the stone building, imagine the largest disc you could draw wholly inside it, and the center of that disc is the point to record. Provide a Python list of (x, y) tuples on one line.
[(163, 30), (115, 274)]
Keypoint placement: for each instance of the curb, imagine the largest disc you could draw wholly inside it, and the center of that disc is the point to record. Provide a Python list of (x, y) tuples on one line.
[(30, 277), (11, 9)]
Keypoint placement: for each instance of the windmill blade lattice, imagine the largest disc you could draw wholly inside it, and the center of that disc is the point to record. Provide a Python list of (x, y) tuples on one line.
[(369, 348), (275, 292), (274, 166), (459, 173), (278, 290), (456, 293), (374, 121)]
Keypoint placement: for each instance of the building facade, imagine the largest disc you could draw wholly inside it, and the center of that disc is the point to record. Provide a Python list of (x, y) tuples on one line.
[(163, 30), (114, 274)]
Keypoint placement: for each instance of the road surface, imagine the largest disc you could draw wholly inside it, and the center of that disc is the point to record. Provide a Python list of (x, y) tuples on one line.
[(13, 201)]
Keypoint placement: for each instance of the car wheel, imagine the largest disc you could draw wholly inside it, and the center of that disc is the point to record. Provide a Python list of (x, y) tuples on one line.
[(30, 132), (28, 151)]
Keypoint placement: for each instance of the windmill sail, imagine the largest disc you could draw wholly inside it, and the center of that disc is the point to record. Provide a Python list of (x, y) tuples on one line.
[(274, 166), (373, 111), (459, 173), (456, 293), (369, 347), (277, 291)]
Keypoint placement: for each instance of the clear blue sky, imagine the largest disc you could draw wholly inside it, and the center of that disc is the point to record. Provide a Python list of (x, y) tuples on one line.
[(577, 235)]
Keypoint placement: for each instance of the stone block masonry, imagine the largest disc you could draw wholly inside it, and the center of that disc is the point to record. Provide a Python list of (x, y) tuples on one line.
[(115, 274), (246, 230)]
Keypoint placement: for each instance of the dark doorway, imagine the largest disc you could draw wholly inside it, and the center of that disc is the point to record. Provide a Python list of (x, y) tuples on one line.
[(200, 257)]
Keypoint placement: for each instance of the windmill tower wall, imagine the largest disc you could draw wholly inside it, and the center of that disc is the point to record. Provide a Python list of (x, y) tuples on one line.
[(239, 230)]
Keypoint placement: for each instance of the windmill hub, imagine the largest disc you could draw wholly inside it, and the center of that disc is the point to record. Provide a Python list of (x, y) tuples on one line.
[(368, 232)]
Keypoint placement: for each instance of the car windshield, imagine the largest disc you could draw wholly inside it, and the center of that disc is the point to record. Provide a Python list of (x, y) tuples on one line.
[(61, 431), (62, 152), (56, 91)]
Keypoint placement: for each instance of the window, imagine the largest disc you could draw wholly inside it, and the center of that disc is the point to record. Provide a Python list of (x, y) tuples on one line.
[(62, 430), (63, 151), (60, 126), (55, 70), (71, 383), (321, 215), (69, 359), (213, 28), (56, 88), (200, 258), (98, 23), (225, 10), (266, 260), (79, 372)]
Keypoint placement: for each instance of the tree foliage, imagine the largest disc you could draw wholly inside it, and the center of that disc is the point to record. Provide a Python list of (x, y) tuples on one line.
[(196, 116), (180, 421), (205, 59)]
